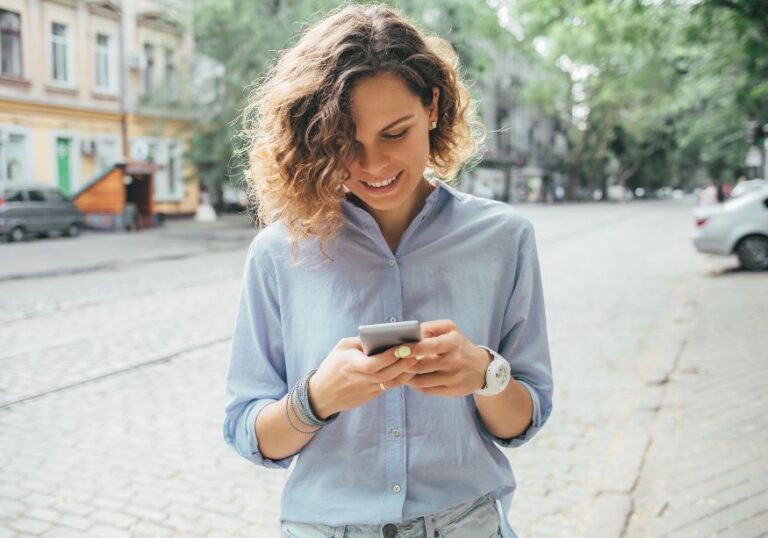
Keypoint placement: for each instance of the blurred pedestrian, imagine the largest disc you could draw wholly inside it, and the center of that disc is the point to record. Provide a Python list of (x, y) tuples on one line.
[(720, 192), (407, 440), (708, 194)]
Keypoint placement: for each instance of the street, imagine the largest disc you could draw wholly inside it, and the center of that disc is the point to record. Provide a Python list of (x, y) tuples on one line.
[(114, 350)]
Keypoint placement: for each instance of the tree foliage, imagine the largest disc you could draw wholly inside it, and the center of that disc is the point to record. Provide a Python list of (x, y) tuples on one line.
[(662, 90)]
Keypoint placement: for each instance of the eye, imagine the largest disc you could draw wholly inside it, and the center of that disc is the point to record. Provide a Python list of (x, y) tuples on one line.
[(396, 136)]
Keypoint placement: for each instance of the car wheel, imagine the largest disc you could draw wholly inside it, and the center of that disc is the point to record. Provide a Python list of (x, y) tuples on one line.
[(72, 231), (753, 252), (17, 234)]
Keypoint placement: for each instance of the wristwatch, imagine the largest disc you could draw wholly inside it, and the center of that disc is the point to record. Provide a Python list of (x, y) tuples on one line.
[(497, 375)]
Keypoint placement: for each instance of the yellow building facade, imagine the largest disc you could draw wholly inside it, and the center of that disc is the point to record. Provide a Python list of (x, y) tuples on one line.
[(88, 84)]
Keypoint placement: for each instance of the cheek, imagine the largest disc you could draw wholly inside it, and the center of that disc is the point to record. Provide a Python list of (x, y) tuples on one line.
[(417, 150)]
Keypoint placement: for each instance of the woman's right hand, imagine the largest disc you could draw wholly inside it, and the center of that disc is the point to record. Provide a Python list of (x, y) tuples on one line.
[(348, 378)]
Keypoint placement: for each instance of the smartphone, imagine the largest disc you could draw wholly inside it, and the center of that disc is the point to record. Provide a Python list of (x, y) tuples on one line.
[(382, 336)]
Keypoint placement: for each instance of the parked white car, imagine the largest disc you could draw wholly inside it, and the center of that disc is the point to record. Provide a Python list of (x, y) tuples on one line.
[(745, 187), (739, 226)]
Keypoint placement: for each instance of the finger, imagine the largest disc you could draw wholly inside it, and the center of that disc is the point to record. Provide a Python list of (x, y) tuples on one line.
[(402, 379), (370, 365), (437, 391), (391, 372), (436, 327), (436, 379), (351, 342), (390, 356), (429, 364), (436, 345)]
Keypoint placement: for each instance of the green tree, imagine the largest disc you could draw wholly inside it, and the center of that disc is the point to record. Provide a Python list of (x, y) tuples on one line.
[(658, 89)]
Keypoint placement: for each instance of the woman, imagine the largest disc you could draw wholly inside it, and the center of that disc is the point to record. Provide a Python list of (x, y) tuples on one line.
[(403, 443)]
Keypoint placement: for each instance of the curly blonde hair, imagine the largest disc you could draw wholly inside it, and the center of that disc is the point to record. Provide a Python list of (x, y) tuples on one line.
[(298, 129)]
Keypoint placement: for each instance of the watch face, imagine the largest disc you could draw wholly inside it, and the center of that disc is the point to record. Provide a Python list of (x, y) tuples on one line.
[(503, 374)]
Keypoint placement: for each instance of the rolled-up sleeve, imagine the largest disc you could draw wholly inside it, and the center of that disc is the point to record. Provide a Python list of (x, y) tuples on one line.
[(256, 374), (524, 343)]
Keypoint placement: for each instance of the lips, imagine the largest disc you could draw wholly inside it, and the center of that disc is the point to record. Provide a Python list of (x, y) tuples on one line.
[(383, 190)]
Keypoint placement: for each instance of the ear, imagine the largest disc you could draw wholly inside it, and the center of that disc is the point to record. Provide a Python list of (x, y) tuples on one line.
[(433, 112)]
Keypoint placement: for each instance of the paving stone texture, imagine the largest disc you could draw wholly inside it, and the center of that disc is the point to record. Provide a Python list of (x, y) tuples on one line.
[(113, 350)]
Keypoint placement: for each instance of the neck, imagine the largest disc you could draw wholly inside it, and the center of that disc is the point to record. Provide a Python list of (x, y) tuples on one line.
[(393, 222)]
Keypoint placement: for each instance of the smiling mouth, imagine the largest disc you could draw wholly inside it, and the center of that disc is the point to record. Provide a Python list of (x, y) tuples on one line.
[(383, 185)]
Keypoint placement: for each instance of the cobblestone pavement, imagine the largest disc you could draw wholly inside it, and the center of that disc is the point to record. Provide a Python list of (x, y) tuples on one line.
[(112, 369), (706, 473)]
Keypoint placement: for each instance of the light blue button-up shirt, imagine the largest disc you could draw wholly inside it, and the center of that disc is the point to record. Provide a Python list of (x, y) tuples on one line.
[(404, 454)]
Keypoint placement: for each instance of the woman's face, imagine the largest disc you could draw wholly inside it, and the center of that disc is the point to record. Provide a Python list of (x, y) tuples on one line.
[(392, 129)]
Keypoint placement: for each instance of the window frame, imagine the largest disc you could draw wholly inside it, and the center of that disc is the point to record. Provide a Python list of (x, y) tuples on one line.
[(7, 131), (4, 31), (148, 80), (64, 41), (105, 54), (171, 72)]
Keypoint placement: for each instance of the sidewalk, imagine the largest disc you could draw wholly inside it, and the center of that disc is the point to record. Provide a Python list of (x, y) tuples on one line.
[(705, 473), (98, 250)]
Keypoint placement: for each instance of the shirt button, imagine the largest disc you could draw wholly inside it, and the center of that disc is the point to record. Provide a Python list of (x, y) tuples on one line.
[(391, 263), (396, 488), (396, 432), (392, 319)]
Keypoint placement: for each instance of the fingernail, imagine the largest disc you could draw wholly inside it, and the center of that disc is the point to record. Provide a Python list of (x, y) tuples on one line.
[(419, 357), (402, 352)]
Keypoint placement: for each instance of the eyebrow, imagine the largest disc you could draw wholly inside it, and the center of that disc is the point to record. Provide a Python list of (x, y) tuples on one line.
[(409, 116)]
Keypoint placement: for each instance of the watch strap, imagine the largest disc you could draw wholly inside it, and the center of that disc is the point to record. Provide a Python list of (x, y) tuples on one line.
[(489, 390)]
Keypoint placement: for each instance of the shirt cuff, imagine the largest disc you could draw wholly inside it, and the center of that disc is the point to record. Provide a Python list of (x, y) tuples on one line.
[(248, 436), (537, 421)]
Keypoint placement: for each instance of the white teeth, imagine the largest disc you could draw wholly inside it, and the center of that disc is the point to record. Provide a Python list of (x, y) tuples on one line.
[(383, 183)]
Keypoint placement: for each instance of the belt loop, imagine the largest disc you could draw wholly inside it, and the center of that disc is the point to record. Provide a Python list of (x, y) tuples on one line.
[(339, 532), (429, 526)]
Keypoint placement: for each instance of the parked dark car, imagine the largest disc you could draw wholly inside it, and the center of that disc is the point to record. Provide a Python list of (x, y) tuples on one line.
[(37, 209)]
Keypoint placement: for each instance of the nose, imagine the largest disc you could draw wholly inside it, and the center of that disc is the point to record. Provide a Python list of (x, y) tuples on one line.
[(372, 161)]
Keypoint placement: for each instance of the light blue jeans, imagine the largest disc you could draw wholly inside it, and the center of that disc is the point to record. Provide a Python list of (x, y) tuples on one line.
[(475, 519)]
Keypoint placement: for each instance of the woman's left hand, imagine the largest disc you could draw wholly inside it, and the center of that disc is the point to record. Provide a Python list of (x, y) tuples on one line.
[(452, 364)]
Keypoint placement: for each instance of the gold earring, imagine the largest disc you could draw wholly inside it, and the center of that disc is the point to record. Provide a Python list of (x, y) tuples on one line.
[(433, 126)]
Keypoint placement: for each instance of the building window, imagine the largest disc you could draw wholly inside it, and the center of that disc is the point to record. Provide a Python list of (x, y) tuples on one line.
[(15, 156), (60, 44), (103, 57), (170, 73), (10, 43), (168, 181), (149, 54), (106, 153)]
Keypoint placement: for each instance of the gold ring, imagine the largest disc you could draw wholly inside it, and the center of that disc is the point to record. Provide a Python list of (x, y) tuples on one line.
[(382, 386)]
